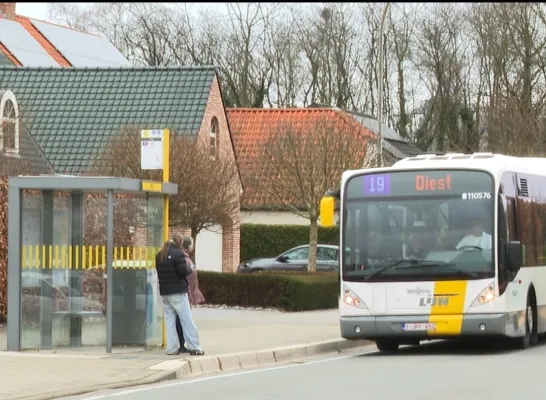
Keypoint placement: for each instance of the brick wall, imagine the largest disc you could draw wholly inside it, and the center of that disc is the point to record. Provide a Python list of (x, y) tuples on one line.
[(230, 227)]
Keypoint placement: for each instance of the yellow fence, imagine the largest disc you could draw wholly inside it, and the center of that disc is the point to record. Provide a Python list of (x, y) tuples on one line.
[(85, 257)]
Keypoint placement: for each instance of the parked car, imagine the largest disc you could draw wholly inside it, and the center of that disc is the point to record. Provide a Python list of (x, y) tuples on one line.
[(295, 259)]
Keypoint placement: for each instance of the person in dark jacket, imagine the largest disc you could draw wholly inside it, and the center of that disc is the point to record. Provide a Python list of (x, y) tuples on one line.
[(172, 271)]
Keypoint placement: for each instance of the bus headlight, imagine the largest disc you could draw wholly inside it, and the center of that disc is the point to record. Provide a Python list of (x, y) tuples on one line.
[(487, 295), (351, 299)]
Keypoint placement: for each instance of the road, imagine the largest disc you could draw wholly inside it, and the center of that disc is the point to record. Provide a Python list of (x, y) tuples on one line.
[(441, 370)]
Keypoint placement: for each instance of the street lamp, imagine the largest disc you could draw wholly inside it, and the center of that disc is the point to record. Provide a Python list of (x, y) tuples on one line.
[(380, 88)]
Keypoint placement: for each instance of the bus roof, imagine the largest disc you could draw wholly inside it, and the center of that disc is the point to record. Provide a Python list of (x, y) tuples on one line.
[(494, 163)]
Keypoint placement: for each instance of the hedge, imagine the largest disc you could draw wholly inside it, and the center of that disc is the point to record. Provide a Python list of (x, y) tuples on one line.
[(259, 240), (285, 291), (298, 291)]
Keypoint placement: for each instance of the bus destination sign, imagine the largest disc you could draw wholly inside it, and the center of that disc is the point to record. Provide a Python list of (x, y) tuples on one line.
[(422, 182)]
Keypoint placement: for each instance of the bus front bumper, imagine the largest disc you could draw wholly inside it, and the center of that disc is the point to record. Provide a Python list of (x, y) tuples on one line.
[(445, 326)]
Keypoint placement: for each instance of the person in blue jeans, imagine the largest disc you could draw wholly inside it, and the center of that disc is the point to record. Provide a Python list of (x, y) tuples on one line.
[(172, 270)]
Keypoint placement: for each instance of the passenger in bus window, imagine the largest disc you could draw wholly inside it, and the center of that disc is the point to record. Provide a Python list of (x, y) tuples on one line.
[(415, 248), (476, 237)]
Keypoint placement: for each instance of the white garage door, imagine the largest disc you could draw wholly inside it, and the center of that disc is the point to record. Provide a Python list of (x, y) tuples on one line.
[(208, 256)]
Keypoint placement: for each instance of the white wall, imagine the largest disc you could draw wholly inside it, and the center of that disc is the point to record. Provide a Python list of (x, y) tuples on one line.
[(272, 218), (208, 255)]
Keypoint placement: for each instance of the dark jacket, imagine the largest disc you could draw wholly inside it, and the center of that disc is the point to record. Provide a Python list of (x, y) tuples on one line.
[(172, 272)]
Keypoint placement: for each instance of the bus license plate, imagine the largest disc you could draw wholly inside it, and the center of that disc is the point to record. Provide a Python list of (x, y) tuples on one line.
[(419, 327)]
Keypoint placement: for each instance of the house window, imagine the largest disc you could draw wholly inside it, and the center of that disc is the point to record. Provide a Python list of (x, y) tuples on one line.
[(213, 141), (9, 127)]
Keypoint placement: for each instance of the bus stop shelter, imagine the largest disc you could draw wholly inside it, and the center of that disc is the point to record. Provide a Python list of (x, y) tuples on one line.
[(40, 258)]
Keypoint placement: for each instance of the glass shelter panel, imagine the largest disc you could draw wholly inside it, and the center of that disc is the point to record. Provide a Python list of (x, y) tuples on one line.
[(64, 276), (60, 295), (154, 240), (129, 279), (31, 272)]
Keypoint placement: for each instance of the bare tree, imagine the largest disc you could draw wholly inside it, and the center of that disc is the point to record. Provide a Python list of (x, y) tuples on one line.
[(456, 66), (284, 58), (146, 37), (371, 13), (244, 68), (511, 61), (328, 39), (441, 64), (194, 38), (303, 161), (402, 33), (208, 187), (71, 15), (141, 31)]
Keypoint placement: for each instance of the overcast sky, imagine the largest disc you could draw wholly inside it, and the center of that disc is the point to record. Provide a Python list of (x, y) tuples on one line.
[(33, 10), (39, 10)]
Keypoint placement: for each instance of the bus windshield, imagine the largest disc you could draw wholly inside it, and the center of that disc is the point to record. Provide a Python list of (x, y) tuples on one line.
[(418, 225)]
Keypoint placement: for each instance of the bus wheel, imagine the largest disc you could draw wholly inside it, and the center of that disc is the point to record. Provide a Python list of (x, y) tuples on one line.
[(387, 344), (531, 335)]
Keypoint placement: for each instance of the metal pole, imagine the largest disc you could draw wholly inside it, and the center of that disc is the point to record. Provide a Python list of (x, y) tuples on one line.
[(166, 177), (109, 268), (15, 197), (380, 88)]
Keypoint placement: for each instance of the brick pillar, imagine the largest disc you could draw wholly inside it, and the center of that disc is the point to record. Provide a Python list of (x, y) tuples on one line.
[(231, 236), (7, 10)]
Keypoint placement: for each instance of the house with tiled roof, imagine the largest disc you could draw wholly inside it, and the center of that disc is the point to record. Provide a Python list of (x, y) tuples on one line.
[(29, 42), (395, 147), (70, 114), (253, 130)]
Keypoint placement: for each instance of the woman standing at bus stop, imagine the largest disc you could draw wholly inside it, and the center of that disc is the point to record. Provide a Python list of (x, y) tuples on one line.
[(194, 293)]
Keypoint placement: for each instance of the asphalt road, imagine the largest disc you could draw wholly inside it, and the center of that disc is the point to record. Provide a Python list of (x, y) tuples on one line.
[(440, 370)]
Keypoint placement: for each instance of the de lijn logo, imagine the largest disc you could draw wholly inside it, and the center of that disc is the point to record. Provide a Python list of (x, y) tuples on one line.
[(441, 301)]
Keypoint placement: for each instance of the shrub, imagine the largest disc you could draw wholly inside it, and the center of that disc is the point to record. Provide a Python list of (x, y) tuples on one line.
[(288, 292), (258, 240)]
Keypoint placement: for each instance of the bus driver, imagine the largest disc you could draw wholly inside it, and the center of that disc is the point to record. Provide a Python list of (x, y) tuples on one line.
[(476, 237)]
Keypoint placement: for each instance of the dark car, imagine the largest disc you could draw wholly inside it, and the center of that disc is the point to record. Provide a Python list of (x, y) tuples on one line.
[(295, 259)]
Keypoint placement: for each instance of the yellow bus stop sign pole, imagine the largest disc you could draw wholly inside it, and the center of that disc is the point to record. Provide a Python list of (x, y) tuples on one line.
[(166, 167)]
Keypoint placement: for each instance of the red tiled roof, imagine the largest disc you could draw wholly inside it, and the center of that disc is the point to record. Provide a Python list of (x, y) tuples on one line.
[(254, 129)]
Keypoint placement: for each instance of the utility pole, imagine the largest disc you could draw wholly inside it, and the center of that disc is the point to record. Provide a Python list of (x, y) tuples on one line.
[(380, 87)]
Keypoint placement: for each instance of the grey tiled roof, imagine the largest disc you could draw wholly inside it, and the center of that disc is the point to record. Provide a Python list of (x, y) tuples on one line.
[(72, 112), (392, 141), (399, 146), (406, 148), (4, 60)]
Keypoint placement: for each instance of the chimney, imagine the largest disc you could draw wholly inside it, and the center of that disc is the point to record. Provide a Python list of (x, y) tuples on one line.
[(7, 10)]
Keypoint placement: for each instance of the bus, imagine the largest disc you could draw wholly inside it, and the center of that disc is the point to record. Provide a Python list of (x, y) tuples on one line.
[(442, 246)]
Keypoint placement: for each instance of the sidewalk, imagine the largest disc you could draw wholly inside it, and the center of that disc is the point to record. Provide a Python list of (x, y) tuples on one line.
[(32, 375)]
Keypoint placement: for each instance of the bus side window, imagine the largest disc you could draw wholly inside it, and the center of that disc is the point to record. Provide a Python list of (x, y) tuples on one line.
[(501, 245), (511, 214), (502, 232)]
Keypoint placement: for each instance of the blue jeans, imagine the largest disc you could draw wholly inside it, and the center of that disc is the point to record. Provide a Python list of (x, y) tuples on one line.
[(179, 304)]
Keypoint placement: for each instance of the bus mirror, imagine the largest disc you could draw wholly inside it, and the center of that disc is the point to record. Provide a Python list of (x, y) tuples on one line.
[(515, 256), (327, 205)]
